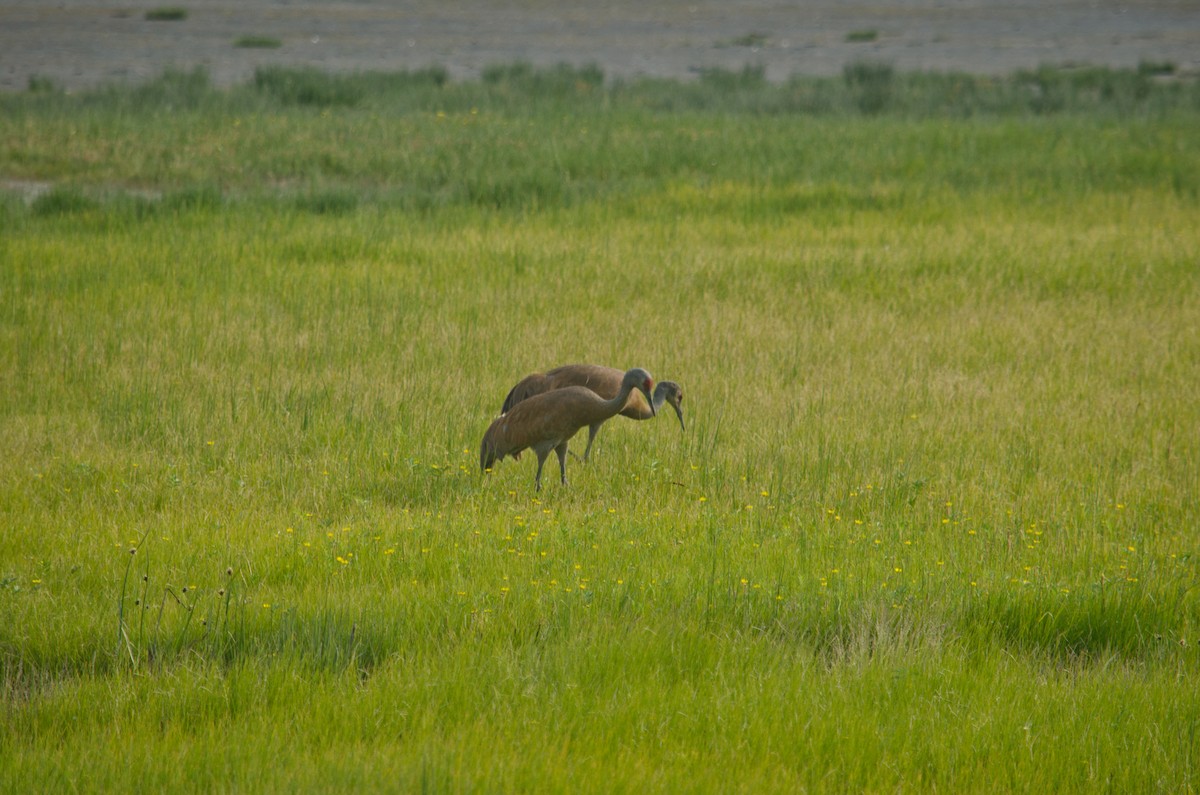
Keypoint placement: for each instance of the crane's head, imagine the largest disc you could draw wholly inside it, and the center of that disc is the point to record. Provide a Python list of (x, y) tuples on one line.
[(672, 393), (639, 379)]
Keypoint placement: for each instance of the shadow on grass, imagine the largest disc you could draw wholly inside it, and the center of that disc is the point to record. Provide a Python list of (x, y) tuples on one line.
[(1102, 622)]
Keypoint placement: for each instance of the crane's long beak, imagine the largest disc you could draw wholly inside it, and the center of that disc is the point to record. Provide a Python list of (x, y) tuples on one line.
[(649, 400), (679, 414)]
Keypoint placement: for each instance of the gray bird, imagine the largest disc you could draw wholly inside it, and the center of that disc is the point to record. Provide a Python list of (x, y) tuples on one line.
[(547, 421), (605, 382)]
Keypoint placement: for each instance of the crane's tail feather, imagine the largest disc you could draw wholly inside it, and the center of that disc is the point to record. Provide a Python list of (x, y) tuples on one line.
[(512, 398)]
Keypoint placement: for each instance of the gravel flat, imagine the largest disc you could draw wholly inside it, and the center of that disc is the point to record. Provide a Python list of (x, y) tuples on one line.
[(82, 43)]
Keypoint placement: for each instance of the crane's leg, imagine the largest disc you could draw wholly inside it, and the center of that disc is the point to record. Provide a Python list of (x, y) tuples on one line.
[(541, 462), (562, 461), (592, 431)]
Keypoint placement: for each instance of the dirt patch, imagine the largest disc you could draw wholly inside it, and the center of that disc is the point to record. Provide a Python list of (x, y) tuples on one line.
[(81, 43)]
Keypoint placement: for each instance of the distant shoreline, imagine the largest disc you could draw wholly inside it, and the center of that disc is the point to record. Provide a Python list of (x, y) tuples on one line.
[(77, 44)]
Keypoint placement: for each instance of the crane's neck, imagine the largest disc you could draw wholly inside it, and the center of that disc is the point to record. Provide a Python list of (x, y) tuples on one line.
[(617, 404), (660, 397)]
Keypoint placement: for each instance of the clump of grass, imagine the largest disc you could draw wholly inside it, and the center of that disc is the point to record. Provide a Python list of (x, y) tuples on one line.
[(862, 36), (167, 14), (183, 617), (551, 83), (196, 197), (1156, 68), (328, 202), (1054, 89), (258, 42), (750, 40), (871, 84), (750, 77), (11, 207), (62, 200), (123, 640), (1066, 624), (174, 89), (308, 86), (42, 85)]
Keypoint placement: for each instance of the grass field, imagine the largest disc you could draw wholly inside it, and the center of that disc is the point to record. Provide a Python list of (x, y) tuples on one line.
[(932, 525)]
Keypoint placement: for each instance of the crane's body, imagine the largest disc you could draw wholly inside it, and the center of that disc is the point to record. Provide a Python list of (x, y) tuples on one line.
[(605, 382), (547, 421)]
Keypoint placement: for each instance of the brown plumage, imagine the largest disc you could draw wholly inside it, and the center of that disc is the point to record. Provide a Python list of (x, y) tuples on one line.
[(547, 421), (605, 382)]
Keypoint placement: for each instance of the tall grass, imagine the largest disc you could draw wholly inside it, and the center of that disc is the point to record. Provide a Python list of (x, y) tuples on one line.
[(931, 525)]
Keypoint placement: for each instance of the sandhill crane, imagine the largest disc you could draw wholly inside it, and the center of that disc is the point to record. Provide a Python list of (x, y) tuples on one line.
[(547, 421), (605, 382)]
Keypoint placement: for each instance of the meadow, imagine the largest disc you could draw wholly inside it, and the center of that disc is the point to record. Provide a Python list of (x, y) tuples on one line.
[(932, 525)]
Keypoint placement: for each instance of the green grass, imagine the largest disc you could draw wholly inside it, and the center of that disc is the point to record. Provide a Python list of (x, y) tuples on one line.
[(862, 36), (753, 40), (167, 14), (931, 526)]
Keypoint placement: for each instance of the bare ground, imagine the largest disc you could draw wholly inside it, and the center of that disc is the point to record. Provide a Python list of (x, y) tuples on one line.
[(81, 43)]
